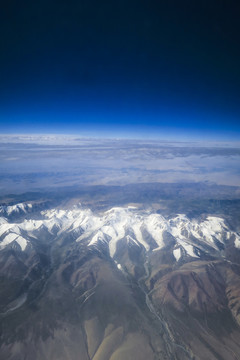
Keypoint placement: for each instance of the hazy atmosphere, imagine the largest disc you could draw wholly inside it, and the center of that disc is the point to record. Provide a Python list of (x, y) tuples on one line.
[(30, 163)]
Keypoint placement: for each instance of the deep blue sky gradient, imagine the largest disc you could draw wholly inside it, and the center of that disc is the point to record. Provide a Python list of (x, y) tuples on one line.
[(121, 68)]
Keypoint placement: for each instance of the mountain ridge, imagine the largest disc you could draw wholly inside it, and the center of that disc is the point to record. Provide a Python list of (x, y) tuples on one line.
[(118, 284)]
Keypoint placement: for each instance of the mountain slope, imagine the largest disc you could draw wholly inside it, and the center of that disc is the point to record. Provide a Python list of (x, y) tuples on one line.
[(122, 284)]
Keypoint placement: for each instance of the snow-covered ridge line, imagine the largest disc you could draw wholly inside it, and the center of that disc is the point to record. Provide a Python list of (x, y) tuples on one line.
[(129, 223), (15, 209)]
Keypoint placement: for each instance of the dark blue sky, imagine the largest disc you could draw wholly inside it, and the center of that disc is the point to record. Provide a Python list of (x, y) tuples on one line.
[(155, 68)]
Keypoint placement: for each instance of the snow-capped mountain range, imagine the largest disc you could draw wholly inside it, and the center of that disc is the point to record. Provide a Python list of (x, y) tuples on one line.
[(125, 280), (139, 228)]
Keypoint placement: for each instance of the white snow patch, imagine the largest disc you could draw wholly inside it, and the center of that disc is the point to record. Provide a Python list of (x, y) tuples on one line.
[(237, 241), (177, 253), (31, 225), (96, 238), (4, 228), (8, 239), (139, 237), (188, 248), (14, 237), (22, 242), (155, 225)]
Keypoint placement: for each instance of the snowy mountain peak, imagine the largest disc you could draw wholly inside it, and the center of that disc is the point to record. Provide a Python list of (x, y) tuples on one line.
[(151, 230), (21, 208)]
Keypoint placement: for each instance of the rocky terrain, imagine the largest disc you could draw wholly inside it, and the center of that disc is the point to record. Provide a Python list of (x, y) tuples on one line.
[(123, 283)]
